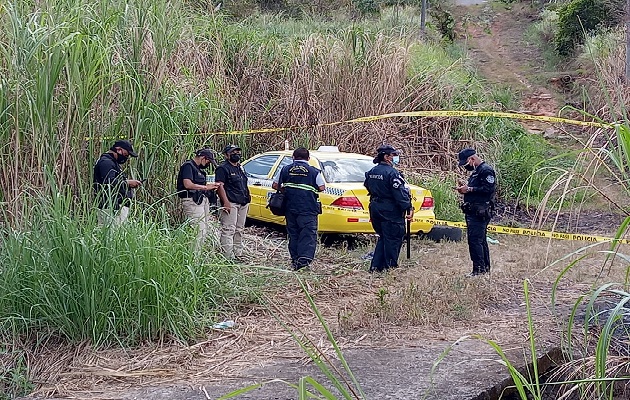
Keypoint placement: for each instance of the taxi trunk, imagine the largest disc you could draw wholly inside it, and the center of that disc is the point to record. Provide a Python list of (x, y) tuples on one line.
[(346, 209)]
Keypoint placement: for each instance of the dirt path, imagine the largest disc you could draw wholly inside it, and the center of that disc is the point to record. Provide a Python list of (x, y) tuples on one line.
[(494, 37)]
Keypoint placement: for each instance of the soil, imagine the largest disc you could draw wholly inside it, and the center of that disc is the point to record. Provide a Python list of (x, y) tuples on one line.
[(370, 313), (495, 36)]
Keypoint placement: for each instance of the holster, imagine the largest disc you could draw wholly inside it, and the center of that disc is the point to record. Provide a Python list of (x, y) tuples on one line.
[(484, 210), (197, 196)]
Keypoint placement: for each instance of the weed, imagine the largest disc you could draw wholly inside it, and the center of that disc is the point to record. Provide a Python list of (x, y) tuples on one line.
[(76, 280), (14, 379), (445, 197), (381, 298)]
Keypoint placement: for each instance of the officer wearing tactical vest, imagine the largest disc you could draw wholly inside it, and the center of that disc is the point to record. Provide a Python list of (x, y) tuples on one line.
[(301, 183), (390, 204), (235, 199), (478, 206), (112, 187), (194, 190)]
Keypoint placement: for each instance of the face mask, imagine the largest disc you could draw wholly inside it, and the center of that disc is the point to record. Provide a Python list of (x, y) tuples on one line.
[(202, 166), (235, 158), (396, 160), (121, 159), (469, 167)]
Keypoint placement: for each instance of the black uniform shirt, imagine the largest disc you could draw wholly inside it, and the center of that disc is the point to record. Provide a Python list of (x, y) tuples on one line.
[(189, 170), (234, 182), (110, 183), (483, 183), (385, 184)]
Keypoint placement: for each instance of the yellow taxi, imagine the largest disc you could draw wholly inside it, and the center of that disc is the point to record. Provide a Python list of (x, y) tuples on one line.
[(345, 200)]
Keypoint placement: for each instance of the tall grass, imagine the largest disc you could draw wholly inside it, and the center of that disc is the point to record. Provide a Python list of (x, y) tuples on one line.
[(445, 197), (77, 75), (67, 277)]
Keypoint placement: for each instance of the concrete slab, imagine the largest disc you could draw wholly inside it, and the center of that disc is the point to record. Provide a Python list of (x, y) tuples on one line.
[(471, 371)]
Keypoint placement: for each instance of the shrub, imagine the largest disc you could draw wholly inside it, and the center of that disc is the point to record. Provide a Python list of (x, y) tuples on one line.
[(72, 279), (584, 16), (366, 7), (444, 22), (446, 200)]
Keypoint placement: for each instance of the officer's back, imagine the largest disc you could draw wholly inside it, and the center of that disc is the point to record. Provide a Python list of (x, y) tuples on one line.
[(300, 187)]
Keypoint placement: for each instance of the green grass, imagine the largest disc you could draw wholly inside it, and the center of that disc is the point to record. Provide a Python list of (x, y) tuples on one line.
[(445, 198), (70, 278)]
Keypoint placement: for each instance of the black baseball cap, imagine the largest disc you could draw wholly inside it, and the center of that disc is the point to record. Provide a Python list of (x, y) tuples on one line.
[(125, 144), (387, 149), (205, 152), (230, 147), (464, 155)]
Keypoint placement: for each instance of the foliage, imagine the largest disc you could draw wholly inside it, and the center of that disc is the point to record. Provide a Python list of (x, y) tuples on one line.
[(70, 278), (584, 16), (366, 7), (14, 380), (445, 198), (516, 156), (444, 21)]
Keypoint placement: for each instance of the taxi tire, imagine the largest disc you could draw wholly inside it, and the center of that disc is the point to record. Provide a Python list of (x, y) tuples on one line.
[(442, 233)]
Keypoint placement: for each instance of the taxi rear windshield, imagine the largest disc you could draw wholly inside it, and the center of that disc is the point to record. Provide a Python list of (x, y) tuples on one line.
[(345, 169)]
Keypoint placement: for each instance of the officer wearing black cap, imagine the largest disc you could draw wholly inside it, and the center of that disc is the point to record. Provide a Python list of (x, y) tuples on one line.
[(478, 207), (235, 199), (111, 186), (301, 184), (390, 204), (196, 193)]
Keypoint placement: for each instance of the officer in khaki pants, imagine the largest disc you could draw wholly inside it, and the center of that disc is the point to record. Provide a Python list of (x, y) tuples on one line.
[(235, 199), (193, 189)]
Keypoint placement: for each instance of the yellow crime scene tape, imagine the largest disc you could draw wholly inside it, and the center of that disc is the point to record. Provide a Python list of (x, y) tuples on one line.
[(435, 113), (528, 232)]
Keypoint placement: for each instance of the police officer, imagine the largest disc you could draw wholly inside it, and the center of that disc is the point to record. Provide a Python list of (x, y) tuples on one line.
[(112, 187), (390, 204), (193, 190), (301, 184), (235, 199), (478, 207)]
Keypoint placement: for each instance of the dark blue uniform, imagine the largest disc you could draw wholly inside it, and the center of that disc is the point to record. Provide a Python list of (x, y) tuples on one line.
[(478, 207), (110, 184), (299, 182), (389, 203)]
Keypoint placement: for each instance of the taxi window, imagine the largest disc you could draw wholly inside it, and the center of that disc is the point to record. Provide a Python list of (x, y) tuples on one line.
[(260, 167), (345, 169), (285, 161)]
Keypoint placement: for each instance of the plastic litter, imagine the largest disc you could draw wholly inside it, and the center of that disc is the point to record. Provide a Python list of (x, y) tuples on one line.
[(492, 241), (368, 256), (224, 325)]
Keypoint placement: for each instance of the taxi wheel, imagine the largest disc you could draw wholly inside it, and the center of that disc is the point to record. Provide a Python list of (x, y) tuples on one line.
[(440, 233)]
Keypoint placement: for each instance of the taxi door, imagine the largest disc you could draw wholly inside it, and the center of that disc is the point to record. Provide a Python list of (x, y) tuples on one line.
[(258, 170)]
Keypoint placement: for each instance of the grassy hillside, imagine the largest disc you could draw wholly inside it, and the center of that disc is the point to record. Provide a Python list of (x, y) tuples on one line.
[(76, 75)]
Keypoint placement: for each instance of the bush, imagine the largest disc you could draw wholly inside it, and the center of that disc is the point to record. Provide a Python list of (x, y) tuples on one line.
[(366, 7), (446, 200), (72, 279), (584, 16)]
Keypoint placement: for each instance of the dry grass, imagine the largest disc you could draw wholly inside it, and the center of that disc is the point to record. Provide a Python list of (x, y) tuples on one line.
[(426, 300)]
